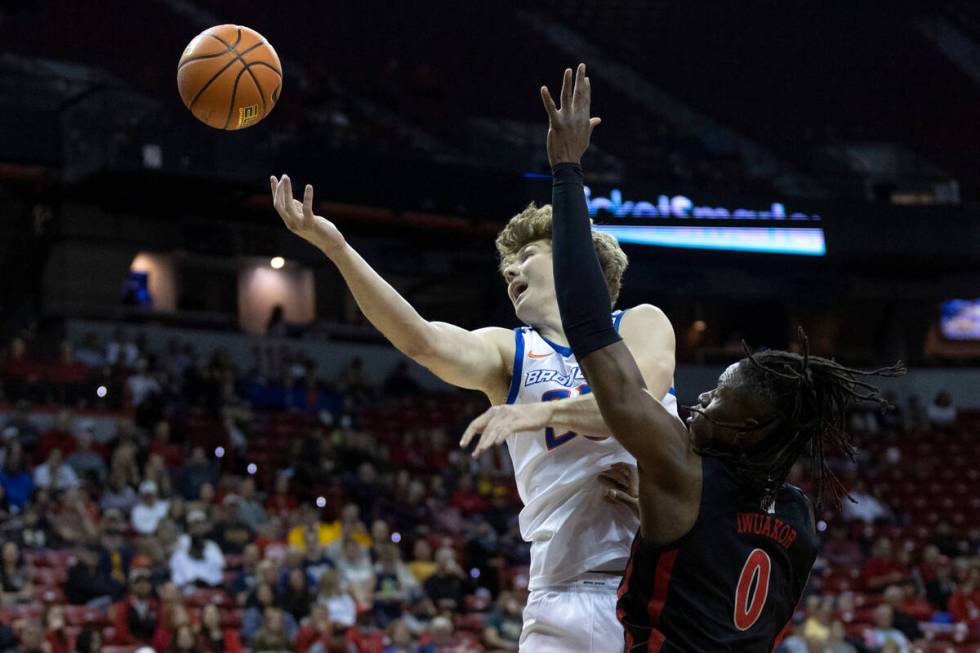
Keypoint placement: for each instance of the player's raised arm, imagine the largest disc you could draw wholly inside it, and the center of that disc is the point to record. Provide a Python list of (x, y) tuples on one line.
[(635, 417), (478, 360)]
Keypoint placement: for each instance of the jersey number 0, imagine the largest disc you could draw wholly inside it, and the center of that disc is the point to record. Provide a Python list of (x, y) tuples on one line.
[(753, 589)]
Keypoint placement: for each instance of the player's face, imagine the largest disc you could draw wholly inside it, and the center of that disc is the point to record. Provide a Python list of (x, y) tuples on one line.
[(531, 283), (726, 417)]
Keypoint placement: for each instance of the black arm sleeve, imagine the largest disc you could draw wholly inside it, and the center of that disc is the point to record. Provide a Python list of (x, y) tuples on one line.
[(583, 297)]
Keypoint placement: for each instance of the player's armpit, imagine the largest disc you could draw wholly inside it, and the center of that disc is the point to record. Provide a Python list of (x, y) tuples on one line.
[(650, 338), (476, 360), (655, 437)]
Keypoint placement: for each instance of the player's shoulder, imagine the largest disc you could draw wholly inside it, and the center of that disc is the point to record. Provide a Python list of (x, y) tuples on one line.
[(644, 317), (503, 340)]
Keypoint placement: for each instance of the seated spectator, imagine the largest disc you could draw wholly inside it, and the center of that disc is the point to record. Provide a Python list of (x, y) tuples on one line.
[(340, 605), (142, 384), (59, 436), (273, 636), (86, 586), (250, 510), (121, 349), (316, 632), (400, 639), (89, 640), (282, 502), (150, 510), (22, 422), (882, 568), (85, 461), (15, 579), (89, 352), (137, 616), (393, 585), (215, 639), (117, 553), (196, 471), (502, 628), (356, 569), (941, 587), (184, 640), (15, 478), (310, 522), (54, 474), (894, 596), (837, 642), (448, 586), (942, 412), (55, 634), (315, 559), (262, 599), (864, 506), (840, 550), (443, 638), (964, 603), (75, 518), (230, 532), (816, 628), (246, 577), (422, 565), (30, 636), (172, 454), (296, 598), (173, 615), (884, 631), (197, 559)]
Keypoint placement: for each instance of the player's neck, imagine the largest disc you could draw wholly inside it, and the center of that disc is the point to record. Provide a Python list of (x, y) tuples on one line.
[(552, 330)]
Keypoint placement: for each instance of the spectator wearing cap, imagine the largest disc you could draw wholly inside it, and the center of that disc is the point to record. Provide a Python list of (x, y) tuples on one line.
[(137, 615), (85, 461), (197, 560), (86, 585), (16, 479), (150, 510)]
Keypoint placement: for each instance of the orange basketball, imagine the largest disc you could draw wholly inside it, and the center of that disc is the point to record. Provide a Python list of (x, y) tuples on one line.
[(229, 77)]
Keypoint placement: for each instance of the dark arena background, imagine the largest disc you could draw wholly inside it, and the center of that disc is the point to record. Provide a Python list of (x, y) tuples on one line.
[(175, 362)]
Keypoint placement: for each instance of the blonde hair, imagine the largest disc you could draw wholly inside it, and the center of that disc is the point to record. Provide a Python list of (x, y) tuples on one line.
[(534, 223)]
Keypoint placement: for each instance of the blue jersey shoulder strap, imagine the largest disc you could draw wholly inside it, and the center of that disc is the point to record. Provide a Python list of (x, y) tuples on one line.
[(515, 379)]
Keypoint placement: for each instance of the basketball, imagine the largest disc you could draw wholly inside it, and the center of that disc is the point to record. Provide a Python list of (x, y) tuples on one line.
[(229, 77)]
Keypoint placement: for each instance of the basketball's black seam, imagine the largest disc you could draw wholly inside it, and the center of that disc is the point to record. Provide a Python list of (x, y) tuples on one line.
[(231, 102), (203, 56), (238, 57), (238, 38), (261, 94), (267, 65)]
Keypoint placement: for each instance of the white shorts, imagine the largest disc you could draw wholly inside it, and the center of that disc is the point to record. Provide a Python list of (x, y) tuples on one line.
[(576, 617)]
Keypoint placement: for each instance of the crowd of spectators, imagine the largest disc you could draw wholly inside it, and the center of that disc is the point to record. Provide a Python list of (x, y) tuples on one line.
[(171, 499)]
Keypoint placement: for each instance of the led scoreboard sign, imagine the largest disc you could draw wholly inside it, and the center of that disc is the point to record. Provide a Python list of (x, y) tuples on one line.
[(627, 222)]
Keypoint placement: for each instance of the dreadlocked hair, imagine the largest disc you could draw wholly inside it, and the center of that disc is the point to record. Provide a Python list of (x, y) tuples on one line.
[(811, 396)]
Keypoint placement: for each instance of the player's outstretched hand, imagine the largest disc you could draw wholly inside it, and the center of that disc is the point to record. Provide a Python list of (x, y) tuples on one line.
[(570, 127), (621, 484), (301, 220), (499, 422)]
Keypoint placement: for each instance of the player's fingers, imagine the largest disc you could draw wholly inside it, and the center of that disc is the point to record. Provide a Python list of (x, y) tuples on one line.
[(593, 123), (566, 88), (491, 437), (476, 426), (308, 202), (287, 192), (549, 103), (579, 95)]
